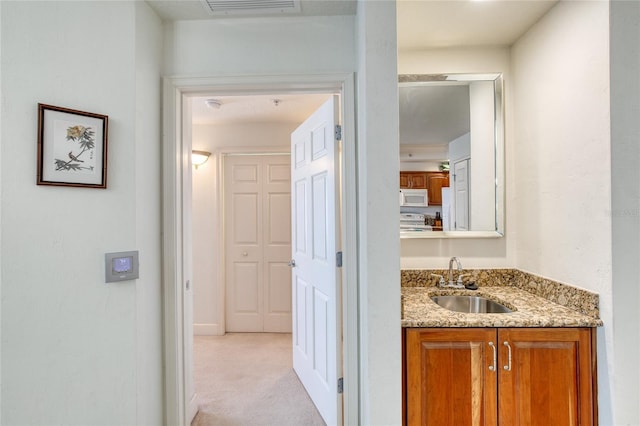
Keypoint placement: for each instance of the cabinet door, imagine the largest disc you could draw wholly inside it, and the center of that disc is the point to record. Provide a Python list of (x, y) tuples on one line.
[(413, 180), (448, 381), (435, 183), (404, 180), (547, 377), (418, 180)]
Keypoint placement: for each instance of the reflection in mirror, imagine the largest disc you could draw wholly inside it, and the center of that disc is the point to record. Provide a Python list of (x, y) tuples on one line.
[(451, 155)]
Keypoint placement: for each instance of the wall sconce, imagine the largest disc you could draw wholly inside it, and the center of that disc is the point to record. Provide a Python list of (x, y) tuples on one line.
[(198, 158)]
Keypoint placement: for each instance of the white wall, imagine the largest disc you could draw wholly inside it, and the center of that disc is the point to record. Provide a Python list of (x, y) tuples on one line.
[(474, 253), (378, 170), (148, 158), (1, 274), (207, 281), (420, 166), (625, 207), (460, 148), (74, 349), (257, 46), (482, 174), (562, 151)]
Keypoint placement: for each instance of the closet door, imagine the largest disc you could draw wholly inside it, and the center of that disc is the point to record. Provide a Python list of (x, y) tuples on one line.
[(276, 220), (460, 205), (257, 243)]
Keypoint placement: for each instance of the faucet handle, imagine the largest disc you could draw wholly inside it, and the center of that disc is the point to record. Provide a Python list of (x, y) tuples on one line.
[(459, 282), (441, 280)]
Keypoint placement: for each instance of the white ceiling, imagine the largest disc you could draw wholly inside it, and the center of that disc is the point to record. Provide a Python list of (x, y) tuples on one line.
[(453, 23), (433, 115), (177, 10), (421, 24), (256, 109)]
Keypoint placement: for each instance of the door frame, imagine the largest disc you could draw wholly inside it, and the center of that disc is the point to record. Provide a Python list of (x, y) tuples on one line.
[(176, 171)]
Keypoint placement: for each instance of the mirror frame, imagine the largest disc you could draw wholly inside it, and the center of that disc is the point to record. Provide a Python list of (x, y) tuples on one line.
[(499, 172)]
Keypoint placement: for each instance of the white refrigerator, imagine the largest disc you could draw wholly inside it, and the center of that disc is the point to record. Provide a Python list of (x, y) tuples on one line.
[(446, 210)]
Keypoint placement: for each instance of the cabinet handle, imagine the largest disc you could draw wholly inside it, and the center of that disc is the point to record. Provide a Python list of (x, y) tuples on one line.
[(508, 366), (495, 358)]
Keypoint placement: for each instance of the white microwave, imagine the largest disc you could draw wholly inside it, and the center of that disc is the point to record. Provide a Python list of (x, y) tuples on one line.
[(413, 198)]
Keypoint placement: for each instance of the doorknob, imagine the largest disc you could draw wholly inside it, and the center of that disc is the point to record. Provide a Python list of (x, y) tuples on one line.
[(292, 263)]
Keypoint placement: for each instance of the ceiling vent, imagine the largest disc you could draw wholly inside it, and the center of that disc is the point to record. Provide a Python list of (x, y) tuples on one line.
[(251, 7)]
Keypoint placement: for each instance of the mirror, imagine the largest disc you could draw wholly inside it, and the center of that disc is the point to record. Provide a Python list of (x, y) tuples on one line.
[(452, 145)]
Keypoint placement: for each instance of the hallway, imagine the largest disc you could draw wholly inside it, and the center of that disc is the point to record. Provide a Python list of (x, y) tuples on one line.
[(248, 379)]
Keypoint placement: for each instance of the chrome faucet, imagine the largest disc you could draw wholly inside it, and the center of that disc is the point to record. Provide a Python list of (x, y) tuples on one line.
[(451, 282)]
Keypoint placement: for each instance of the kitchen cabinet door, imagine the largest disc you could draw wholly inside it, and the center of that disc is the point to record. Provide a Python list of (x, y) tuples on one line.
[(546, 377), (413, 180), (448, 380), (404, 180), (435, 183)]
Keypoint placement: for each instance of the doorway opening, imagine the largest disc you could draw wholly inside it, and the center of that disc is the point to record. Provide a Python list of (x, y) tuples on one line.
[(256, 257), (178, 242)]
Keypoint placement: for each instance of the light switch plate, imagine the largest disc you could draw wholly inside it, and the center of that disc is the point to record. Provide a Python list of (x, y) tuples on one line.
[(121, 266)]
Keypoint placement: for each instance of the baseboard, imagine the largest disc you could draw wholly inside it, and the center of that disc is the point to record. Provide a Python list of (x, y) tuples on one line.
[(207, 330), (192, 409)]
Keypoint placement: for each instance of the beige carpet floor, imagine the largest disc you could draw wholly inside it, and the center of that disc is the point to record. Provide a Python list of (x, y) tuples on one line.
[(247, 379)]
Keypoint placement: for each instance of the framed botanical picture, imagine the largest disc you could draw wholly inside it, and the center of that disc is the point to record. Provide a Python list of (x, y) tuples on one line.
[(72, 147)]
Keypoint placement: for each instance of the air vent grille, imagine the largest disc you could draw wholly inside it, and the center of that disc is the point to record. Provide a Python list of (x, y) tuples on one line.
[(251, 7)]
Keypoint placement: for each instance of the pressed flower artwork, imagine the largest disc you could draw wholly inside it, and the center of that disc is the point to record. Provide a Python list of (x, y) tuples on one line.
[(72, 147)]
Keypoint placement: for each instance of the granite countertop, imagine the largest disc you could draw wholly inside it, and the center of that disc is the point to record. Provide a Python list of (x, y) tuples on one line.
[(529, 310)]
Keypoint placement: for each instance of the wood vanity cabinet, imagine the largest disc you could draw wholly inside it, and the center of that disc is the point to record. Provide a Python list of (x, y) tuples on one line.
[(538, 376)]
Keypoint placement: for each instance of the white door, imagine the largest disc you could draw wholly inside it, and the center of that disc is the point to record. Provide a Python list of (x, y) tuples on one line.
[(460, 204), (315, 277), (257, 243)]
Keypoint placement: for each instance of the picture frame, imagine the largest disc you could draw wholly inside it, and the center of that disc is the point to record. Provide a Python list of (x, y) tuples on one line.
[(72, 147)]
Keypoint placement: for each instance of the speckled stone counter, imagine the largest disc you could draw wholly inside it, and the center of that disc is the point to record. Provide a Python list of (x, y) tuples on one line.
[(535, 301)]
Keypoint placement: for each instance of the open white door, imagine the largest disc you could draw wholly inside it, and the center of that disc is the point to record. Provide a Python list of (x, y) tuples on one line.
[(315, 276)]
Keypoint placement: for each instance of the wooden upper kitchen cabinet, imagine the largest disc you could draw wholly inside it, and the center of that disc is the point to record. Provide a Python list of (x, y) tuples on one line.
[(435, 182), (413, 180), (538, 376)]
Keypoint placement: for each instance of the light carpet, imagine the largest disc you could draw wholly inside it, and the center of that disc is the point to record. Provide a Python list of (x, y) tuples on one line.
[(247, 379)]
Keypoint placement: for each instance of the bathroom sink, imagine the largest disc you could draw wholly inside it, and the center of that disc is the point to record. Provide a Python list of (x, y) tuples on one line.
[(470, 304)]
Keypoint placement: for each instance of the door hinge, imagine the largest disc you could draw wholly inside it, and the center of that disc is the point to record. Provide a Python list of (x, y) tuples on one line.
[(339, 259), (338, 132), (340, 385)]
